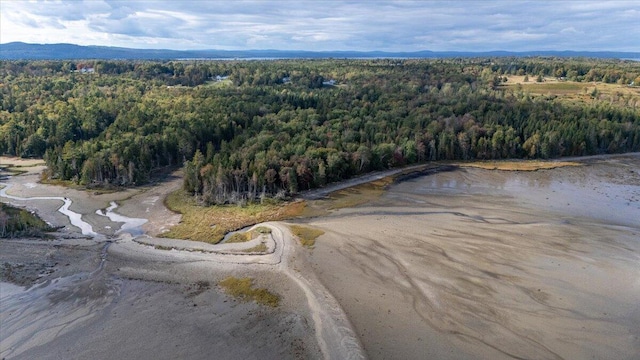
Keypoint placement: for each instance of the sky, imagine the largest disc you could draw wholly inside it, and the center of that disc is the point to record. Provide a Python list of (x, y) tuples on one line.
[(365, 25)]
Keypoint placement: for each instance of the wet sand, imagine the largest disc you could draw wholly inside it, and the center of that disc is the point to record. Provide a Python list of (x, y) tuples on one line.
[(108, 296), (132, 309), (480, 264), (469, 264)]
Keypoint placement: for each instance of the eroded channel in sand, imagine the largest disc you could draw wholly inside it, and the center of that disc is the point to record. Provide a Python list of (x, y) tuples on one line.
[(74, 218), (331, 328), (476, 264), (130, 225)]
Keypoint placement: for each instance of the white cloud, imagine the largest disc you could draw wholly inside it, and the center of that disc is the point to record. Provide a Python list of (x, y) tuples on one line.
[(570, 30), (327, 25)]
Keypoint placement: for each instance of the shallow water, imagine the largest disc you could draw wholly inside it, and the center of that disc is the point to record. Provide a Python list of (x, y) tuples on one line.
[(479, 264), (130, 225), (74, 217), (566, 191)]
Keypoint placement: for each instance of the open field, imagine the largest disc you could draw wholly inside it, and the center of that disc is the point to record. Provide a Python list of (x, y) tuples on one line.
[(584, 92), (219, 84)]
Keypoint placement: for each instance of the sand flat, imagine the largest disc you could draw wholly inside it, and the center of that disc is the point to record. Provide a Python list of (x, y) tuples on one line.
[(466, 264), (478, 264), (106, 296)]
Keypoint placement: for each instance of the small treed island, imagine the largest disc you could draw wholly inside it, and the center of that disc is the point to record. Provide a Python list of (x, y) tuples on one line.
[(245, 131)]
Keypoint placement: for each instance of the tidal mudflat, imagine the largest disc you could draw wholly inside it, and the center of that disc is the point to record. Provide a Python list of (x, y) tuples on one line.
[(481, 264), (94, 292), (462, 264)]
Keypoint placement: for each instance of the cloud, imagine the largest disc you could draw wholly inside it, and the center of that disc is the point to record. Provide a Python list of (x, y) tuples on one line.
[(328, 25)]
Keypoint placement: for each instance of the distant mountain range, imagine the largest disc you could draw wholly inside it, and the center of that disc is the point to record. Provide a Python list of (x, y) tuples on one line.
[(24, 51)]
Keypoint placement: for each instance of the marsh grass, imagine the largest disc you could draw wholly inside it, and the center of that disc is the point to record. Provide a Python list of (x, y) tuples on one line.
[(249, 235), (306, 235), (359, 194), (240, 237), (96, 189), (526, 165), (262, 230), (243, 290), (13, 171), (260, 248), (210, 224)]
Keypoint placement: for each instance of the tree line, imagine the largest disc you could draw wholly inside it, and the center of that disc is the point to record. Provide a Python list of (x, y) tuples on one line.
[(273, 128)]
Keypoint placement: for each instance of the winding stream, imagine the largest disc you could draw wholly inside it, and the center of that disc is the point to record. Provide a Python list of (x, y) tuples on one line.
[(130, 225), (74, 217)]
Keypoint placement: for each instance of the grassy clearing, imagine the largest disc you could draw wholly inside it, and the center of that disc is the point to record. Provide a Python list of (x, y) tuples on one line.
[(556, 88), (210, 224), (243, 290), (528, 165), (219, 84), (578, 92), (306, 235)]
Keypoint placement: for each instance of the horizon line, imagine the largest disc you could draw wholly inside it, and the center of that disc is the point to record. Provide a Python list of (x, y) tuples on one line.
[(329, 51)]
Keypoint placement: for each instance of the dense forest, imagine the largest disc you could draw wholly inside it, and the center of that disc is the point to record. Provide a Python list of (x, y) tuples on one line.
[(245, 130)]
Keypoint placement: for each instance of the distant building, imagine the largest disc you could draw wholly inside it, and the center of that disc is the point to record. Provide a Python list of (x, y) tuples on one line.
[(85, 70), (286, 80), (329, 83)]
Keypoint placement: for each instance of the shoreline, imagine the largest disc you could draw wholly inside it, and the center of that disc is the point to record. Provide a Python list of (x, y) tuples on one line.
[(324, 331), (332, 307), (484, 264)]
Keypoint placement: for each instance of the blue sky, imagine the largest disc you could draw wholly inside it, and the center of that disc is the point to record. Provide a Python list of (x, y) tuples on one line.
[(480, 25)]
